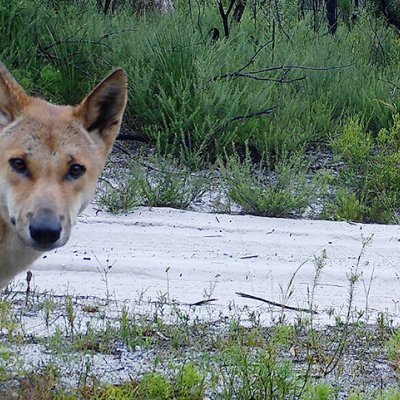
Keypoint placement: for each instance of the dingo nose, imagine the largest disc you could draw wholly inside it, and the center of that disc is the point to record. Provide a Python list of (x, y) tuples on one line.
[(45, 228)]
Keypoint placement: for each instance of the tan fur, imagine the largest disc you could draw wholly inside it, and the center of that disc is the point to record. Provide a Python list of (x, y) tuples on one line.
[(50, 140)]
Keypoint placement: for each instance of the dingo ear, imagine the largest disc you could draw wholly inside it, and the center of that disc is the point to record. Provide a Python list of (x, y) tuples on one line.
[(101, 110), (12, 97)]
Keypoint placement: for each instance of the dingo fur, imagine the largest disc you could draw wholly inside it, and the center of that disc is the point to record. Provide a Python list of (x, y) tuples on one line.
[(50, 159)]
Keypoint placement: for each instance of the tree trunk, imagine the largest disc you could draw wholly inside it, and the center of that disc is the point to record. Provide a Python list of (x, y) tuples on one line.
[(301, 9), (239, 10), (354, 15), (391, 11), (331, 6)]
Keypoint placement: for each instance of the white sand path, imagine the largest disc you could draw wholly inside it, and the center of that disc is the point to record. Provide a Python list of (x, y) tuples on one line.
[(223, 254)]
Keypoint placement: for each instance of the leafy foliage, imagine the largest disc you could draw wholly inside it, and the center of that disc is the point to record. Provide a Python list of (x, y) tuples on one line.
[(287, 192), (369, 182)]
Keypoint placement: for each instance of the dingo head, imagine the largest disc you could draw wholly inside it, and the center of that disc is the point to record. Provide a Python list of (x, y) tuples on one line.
[(51, 157)]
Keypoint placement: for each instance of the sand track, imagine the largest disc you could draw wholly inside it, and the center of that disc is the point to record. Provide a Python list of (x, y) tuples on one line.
[(219, 255)]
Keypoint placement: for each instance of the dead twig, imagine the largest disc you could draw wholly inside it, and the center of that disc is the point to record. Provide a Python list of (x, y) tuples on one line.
[(273, 303), (254, 56), (300, 67), (202, 302), (246, 116), (252, 114), (261, 78), (284, 68)]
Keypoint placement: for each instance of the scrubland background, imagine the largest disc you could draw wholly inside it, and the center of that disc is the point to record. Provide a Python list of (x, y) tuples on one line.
[(281, 108)]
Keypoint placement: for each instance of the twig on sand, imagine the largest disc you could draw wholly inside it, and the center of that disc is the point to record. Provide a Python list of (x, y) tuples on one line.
[(202, 302), (272, 303)]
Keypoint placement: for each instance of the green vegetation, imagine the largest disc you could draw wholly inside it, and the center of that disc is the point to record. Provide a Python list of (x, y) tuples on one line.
[(156, 182), (369, 181), (287, 193), (187, 359), (278, 85), (282, 118)]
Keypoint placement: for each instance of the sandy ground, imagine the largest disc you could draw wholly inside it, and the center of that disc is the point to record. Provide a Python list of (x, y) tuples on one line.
[(190, 256)]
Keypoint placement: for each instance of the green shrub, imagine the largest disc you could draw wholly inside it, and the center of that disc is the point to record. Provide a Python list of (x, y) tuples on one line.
[(178, 96), (154, 386), (189, 384), (157, 183), (369, 181), (286, 191)]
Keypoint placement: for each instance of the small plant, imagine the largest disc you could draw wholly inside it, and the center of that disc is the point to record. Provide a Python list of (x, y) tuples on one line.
[(6, 359), (154, 386), (156, 183), (48, 306), (8, 321), (345, 207), (368, 182), (104, 270), (135, 330), (50, 83), (284, 192), (321, 391), (189, 384), (70, 312), (393, 348), (40, 384), (96, 340)]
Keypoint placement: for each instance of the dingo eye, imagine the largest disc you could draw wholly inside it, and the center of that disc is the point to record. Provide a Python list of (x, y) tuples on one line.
[(76, 170), (19, 165)]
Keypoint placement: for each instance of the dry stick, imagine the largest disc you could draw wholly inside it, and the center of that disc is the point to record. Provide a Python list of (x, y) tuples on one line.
[(284, 68), (107, 35), (260, 78), (253, 114), (77, 41), (301, 67), (257, 52), (202, 302), (272, 303), (50, 56), (246, 116)]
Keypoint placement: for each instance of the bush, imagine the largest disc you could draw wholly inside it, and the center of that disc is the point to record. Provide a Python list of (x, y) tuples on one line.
[(285, 192), (369, 182), (156, 182), (180, 96)]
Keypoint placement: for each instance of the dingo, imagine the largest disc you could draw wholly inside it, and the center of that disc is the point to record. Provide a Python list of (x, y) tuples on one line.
[(50, 159)]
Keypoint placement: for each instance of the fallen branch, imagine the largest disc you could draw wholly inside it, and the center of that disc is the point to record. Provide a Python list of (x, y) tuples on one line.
[(272, 303), (203, 302)]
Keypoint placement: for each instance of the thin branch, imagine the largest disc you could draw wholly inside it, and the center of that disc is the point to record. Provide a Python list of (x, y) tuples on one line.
[(202, 302), (246, 116), (254, 56), (301, 67), (107, 35), (272, 303), (77, 41), (261, 78), (253, 114), (284, 68)]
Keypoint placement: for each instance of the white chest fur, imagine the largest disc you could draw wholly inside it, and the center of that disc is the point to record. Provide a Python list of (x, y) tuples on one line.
[(14, 257)]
